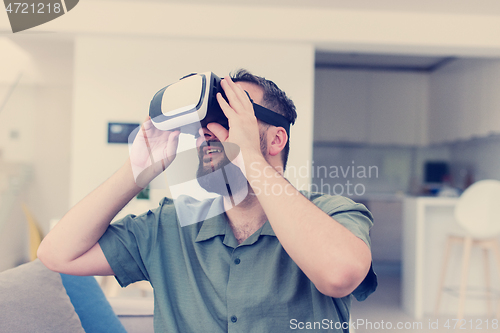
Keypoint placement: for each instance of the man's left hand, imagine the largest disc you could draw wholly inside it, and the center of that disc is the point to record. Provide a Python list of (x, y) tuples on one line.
[(243, 126)]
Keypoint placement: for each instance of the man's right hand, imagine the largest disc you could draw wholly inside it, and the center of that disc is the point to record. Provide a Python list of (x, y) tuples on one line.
[(151, 152), (72, 247)]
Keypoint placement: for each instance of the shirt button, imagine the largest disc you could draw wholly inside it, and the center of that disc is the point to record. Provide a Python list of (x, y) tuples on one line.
[(234, 319), (237, 261)]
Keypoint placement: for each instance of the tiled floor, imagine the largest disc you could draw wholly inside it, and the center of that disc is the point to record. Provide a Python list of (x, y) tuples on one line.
[(382, 312)]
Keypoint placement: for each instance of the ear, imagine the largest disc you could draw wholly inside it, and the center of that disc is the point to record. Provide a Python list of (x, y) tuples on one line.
[(278, 138)]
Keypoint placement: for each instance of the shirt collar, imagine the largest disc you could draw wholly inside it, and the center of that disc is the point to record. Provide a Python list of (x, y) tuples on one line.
[(218, 225), (267, 230), (212, 227)]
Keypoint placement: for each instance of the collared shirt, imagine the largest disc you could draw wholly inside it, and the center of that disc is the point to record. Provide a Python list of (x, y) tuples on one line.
[(204, 281)]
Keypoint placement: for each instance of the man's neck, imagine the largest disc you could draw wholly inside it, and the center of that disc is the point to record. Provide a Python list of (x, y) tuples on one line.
[(246, 218)]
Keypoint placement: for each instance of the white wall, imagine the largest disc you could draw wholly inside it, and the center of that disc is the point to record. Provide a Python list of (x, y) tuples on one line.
[(53, 60), (35, 140), (17, 121), (115, 79)]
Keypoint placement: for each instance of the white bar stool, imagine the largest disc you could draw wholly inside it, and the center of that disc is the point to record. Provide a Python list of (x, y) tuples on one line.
[(477, 212)]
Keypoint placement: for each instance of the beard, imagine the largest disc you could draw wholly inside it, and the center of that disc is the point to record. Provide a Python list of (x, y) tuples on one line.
[(223, 177), (219, 176)]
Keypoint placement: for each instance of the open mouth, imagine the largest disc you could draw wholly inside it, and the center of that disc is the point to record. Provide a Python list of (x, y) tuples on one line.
[(210, 150), (212, 147)]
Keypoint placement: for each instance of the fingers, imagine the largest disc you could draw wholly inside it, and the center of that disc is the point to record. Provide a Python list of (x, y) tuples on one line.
[(146, 141), (237, 97), (171, 147), (147, 124), (226, 108), (238, 90)]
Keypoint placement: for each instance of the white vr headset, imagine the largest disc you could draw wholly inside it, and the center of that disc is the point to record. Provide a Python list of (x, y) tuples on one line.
[(187, 103)]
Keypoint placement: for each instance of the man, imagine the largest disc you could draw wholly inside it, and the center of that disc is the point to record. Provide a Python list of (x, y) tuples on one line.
[(273, 263)]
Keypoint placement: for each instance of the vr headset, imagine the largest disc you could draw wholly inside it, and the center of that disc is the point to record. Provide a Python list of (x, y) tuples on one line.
[(191, 102)]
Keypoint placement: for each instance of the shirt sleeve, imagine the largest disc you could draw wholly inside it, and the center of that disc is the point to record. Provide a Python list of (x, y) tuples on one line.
[(127, 244), (358, 220)]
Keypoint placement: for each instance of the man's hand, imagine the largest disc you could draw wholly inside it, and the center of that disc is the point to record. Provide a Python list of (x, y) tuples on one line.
[(72, 247), (243, 126), (152, 151)]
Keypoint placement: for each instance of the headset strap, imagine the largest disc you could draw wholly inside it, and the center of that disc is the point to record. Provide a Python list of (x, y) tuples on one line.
[(271, 117)]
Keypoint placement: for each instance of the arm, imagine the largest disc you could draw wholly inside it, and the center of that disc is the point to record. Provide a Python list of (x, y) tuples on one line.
[(72, 246), (332, 257)]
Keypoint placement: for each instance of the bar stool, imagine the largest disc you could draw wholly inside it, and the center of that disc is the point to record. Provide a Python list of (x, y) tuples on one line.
[(477, 212)]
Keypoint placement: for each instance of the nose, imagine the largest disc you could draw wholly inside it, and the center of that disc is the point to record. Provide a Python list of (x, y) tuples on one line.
[(205, 135)]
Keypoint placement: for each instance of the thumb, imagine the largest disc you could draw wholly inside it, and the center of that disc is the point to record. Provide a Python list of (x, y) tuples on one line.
[(232, 150), (219, 131), (171, 148)]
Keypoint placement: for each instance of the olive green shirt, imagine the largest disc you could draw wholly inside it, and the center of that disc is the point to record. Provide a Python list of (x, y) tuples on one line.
[(204, 281)]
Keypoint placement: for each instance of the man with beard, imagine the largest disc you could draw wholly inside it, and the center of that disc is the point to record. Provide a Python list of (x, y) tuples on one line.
[(272, 263)]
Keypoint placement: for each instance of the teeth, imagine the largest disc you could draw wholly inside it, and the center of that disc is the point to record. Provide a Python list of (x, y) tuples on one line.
[(208, 151)]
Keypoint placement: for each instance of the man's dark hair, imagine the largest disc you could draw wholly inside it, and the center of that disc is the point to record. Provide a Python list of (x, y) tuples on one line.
[(274, 99)]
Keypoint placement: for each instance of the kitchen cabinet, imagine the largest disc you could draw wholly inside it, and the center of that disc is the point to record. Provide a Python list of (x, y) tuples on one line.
[(341, 105), (374, 107), (386, 234), (397, 108), (464, 102)]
